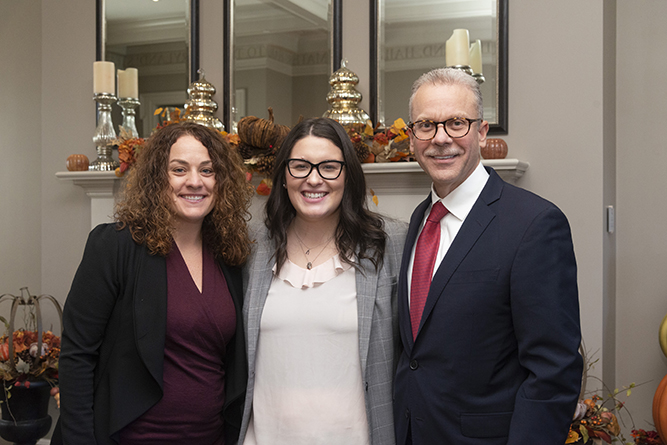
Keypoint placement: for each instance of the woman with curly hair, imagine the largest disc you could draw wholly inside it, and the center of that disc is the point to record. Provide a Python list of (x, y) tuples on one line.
[(152, 344), (320, 306)]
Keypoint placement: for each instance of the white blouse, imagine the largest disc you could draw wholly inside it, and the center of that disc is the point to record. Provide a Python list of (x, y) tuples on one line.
[(308, 384)]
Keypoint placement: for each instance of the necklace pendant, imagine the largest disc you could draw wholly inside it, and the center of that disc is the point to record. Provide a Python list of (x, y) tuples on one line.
[(307, 252), (309, 265)]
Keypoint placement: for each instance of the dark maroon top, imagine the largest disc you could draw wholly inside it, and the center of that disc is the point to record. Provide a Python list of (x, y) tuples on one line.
[(199, 325)]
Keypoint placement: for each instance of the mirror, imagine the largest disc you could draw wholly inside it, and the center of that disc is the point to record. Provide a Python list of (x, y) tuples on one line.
[(410, 40), (284, 52), (160, 39)]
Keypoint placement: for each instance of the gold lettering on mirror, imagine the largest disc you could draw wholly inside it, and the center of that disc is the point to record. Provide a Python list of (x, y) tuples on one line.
[(411, 38), (281, 58), (154, 37)]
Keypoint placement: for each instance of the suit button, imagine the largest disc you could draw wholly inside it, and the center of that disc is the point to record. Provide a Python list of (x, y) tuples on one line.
[(414, 364)]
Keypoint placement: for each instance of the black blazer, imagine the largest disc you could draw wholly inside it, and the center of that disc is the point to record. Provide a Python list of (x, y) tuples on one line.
[(114, 324), (495, 360)]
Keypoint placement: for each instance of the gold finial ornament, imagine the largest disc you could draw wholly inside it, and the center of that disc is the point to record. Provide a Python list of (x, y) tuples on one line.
[(201, 106), (344, 98), (662, 336)]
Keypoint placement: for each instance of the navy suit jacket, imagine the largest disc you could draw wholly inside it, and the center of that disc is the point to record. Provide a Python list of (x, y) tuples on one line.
[(496, 359)]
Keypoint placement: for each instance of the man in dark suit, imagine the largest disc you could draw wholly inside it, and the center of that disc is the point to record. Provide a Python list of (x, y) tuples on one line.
[(488, 301)]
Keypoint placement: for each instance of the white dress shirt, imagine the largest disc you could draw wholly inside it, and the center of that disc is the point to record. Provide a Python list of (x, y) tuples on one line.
[(459, 202)]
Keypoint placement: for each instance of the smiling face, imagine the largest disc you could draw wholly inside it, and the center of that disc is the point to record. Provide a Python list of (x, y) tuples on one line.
[(314, 198), (446, 160), (192, 180)]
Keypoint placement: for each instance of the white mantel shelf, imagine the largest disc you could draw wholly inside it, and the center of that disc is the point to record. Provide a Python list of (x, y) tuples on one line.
[(408, 177), (98, 184), (398, 178), (95, 183), (391, 178)]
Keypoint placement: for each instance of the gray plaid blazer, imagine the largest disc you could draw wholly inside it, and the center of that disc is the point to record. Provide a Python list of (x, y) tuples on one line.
[(377, 309)]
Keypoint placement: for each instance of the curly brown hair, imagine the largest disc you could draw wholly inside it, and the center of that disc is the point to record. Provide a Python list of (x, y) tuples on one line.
[(146, 208)]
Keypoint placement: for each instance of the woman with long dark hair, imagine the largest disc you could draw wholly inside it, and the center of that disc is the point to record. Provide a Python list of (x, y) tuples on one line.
[(320, 307), (153, 346)]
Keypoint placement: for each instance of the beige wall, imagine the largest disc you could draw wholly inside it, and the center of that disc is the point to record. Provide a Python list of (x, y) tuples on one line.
[(20, 147), (589, 127), (642, 242), (555, 77)]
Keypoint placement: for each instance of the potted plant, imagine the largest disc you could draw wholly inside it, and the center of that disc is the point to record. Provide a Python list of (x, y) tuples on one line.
[(28, 368)]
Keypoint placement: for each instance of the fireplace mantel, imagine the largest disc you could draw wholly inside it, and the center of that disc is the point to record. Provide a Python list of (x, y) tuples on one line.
[(391, 178)]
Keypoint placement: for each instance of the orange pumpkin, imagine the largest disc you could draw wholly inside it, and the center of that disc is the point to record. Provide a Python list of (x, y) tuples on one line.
[(660, 408), (77, 163), (495, 149)]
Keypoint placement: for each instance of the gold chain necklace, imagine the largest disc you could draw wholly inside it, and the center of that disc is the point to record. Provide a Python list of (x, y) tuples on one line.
[(309, 264)]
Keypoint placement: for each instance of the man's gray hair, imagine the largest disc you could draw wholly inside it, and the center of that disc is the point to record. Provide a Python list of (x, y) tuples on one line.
[(449, 76)]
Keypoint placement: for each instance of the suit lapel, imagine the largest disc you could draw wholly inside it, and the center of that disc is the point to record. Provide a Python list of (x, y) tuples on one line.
[(366, 281), (475, 224)]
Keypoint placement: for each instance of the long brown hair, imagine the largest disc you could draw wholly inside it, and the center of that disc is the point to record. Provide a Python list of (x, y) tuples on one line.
[(360, 232), (146, 205)]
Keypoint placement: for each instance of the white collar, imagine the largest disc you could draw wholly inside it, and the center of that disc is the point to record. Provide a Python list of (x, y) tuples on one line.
[(459, 201)]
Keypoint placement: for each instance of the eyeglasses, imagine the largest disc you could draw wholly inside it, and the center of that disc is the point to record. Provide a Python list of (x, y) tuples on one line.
[(456, 127), (300, 168)]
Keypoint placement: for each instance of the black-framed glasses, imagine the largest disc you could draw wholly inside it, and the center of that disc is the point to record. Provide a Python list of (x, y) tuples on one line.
[(456, 127), (300, 168)]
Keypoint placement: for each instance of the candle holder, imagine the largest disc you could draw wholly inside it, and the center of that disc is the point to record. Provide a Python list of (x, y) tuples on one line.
[(128, 104), (479, 78), (105, 135), (465, 68)]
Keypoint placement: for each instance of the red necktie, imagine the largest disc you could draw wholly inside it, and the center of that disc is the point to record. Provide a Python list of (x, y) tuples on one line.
[(422, 269)]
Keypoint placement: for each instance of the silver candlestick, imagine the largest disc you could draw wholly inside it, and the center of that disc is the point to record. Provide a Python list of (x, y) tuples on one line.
[(105, 135), (479, 77), (468, 70), (465, 68), (128, 104)]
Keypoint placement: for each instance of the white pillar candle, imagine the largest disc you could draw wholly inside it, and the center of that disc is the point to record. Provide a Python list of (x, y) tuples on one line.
[(120, 81), (128, 83), (456, 48), (103, 77), (476, 57)]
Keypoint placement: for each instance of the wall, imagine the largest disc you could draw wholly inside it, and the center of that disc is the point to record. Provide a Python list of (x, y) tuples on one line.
[(546, 96), (642, 244), (68, 124), (20, 147)]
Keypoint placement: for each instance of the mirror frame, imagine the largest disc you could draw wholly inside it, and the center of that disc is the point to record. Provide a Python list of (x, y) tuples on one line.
[(499, 127), (336, 44), (194, 36)]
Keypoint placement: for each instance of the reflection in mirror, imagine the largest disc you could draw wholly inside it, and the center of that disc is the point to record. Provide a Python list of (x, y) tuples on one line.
[(411, 41), (154, 37), (281, 58)]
